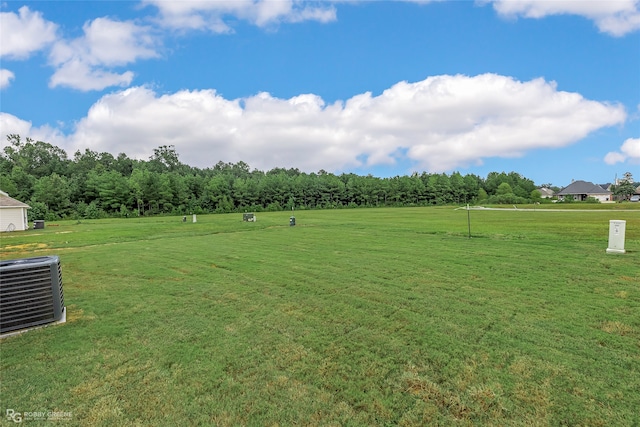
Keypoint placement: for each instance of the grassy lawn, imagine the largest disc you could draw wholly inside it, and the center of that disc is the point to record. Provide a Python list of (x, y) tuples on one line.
[(352, 317)]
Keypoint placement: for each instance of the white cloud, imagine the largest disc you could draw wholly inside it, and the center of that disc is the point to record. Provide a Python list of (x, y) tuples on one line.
[(79, 75), (12, 124), (614, 157), (5, 78), (615, 17), (24, 33), (440, 124), (629, 151), (86, 63), (213, 15)]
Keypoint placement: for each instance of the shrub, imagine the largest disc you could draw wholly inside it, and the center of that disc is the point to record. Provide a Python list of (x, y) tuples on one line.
[(93, 212), (274, 207), (38, 210), (507, 199)]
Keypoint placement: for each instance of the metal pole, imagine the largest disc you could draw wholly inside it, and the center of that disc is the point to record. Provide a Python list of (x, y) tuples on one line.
[(469, 219)]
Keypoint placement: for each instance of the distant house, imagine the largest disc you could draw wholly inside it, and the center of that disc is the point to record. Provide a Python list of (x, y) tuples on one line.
[(581, 190), (13, 214), (546, 193)]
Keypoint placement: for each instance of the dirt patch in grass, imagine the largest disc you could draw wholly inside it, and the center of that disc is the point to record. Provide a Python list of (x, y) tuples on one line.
[(622, 294), (26, 247), (75, 314), (615, 327), (22, 251)]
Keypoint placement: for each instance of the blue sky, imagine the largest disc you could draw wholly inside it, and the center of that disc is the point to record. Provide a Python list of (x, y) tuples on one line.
[(549, 89)]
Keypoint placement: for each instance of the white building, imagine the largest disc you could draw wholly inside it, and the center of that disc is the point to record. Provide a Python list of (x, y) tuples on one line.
[(13, 214)]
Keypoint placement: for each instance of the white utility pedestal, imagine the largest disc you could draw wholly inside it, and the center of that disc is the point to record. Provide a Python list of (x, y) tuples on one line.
[(194, 217), (616, 236)]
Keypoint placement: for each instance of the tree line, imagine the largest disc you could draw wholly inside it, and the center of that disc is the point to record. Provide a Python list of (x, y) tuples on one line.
[(95, 185)]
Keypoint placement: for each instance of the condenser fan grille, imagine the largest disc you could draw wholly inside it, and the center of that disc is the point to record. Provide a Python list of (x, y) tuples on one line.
[(30, 292)]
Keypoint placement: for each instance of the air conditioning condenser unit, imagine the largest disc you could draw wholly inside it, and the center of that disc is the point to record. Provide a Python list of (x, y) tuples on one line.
[(30, 293)]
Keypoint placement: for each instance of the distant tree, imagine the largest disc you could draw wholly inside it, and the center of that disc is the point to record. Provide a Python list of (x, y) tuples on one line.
[(521, 192), (625, 187), (521, 186), (7, 185), (36, 158), (124, 165), (536, 195), (165, 158), (458, 190), (217, 193), (92, 211), (113, 191), (54, 192), (332, 189), (24, 183), (241, 170), (417, 189), (438, 189), (494, 179), (504, 189), (38, 210), (472, 185)]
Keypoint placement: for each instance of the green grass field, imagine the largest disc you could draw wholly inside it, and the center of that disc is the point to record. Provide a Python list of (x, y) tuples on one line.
[(358, 317)]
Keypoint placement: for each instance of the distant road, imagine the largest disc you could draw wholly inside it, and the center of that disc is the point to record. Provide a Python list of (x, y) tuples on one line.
[(482, 208)]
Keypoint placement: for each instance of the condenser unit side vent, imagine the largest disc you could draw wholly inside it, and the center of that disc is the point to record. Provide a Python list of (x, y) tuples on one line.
[(30, 293)]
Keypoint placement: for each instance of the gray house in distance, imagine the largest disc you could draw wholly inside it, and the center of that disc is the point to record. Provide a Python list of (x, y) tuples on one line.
[(581, 190)]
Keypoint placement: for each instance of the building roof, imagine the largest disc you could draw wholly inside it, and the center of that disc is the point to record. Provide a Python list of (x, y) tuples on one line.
[(582, 187), (9, 202), (546, 192)]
